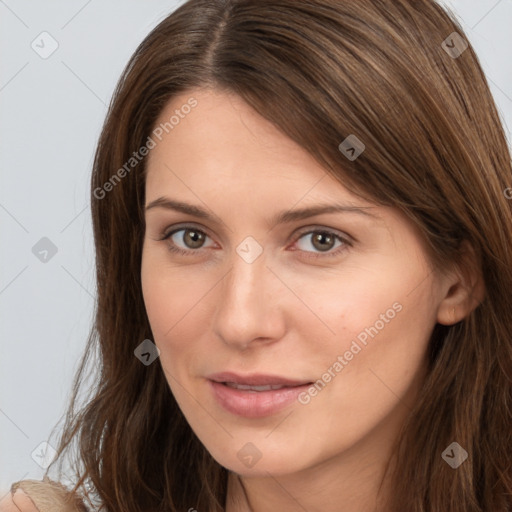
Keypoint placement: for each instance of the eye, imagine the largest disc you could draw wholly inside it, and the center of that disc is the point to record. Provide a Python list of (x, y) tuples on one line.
[(191, 239), (323, 241)]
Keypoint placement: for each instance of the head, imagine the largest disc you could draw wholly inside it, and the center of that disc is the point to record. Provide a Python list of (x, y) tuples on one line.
[(347, 313), (392, 315)]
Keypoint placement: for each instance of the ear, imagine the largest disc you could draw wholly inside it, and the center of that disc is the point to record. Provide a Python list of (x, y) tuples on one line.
[(463, 288)]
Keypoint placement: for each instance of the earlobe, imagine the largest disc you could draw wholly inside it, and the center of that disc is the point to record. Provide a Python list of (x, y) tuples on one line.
[(465, 289)]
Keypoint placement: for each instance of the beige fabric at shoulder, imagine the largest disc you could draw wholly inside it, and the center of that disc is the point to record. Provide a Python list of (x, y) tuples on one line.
[(50, 496)]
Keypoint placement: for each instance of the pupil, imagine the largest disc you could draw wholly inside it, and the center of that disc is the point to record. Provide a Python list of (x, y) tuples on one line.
[(323, 236), (196, 237)]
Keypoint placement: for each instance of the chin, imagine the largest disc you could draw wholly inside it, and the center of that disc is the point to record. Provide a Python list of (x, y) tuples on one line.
[(259, 458)]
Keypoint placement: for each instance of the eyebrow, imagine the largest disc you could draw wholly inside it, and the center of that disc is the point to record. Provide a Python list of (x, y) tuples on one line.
[(286, 216)]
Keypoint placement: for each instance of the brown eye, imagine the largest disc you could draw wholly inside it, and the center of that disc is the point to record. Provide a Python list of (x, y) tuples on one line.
[(322, 243), (193, 238), (186, 240)]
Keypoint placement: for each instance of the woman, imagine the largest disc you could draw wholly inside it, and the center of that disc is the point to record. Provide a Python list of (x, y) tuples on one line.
[(303, 240)]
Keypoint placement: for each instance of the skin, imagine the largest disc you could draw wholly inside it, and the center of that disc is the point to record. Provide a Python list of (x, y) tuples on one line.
[(18, 501), (285, 313)]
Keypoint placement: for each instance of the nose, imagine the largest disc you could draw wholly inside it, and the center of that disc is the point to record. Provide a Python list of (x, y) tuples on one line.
[(250, 305)]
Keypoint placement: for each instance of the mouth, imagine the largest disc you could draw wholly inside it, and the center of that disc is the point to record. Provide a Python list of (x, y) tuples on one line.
[(255, 395)]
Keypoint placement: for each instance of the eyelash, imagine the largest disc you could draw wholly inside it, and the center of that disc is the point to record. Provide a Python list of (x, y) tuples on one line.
[(345, 242)]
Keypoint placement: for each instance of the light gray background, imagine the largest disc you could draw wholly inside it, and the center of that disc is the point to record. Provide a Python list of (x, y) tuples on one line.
[(52, 111)]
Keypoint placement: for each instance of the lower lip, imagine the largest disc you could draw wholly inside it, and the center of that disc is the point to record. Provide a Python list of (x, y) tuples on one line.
[(255, 404)]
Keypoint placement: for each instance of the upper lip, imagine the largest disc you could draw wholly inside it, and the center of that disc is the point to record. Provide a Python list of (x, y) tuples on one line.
[(256, 379)]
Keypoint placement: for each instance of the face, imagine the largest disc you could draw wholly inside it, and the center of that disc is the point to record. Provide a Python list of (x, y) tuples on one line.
[(288, 339)]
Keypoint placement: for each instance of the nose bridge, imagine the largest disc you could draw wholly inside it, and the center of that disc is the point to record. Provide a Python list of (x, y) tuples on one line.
[(246, 309), (245, 286)]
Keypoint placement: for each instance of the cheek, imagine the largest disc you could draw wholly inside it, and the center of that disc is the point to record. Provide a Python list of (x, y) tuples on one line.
[(350, 304), (175, 301), (159, 299), (380, 325), (167, 292), (371, 369)]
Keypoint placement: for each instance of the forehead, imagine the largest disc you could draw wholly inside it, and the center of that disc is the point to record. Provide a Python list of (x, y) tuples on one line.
[(222, 143)]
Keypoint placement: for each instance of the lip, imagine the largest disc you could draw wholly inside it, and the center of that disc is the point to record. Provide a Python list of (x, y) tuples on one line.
[(255, 404), (255, 379)]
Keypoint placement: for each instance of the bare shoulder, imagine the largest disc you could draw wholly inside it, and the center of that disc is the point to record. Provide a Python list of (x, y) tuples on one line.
[(17, 502), (41, 496)]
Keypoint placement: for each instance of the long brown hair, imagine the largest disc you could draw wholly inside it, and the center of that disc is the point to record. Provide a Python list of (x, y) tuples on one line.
[(320, 70)]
